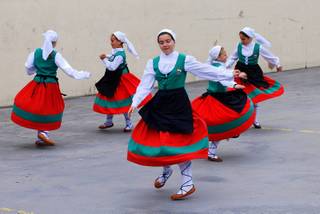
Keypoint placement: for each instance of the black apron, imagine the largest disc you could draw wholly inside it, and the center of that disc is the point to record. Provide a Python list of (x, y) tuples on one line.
[(108, 84), (169, 110), (235, 100), (254, 73)]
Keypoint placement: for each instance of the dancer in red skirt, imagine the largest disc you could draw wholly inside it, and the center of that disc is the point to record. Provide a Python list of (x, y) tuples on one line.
[(169, 131), (227, 111), (258, 86), (118, 86), (39, 105)]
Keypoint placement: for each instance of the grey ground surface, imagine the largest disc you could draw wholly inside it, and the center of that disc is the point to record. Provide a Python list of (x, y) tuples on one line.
[(273, 170)]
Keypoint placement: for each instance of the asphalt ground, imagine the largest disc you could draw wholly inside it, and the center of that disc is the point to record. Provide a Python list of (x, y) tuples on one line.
[(272, 170)]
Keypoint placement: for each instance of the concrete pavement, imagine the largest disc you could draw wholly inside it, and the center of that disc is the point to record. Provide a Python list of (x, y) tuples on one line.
[(272, 170)]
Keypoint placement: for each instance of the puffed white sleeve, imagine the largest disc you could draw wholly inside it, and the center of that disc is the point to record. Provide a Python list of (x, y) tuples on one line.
[(232, 59), (230, 82), (269, 57), (67, 69), (146, 85), (113, 65), (209, 72), (30, 69)]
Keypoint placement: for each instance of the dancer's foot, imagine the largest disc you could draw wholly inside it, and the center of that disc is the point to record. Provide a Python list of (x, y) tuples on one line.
[(257, 125), (128, 128), (215, 158), (39, 143), (162, 179), (44, 138), (185, 190), (106, 125)]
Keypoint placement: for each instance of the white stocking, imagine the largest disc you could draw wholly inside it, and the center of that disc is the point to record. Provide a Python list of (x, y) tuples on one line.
[(186, 172)]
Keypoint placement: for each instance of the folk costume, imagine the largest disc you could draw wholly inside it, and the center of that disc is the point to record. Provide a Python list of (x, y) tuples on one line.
[(169, 131), (227, 111), (259, 87), (117, 87), (39, 105)]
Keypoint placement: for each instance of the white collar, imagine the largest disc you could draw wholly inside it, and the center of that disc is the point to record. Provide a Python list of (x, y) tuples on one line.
[(171, 55), (252, 43)]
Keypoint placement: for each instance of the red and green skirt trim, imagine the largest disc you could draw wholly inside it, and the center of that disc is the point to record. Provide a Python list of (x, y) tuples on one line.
[(38, 106), (149, 147), (234, 126), (122, 99), (261, 94), (223, 122)]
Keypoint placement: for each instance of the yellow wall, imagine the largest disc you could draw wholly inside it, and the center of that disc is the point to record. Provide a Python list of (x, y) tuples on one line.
[(84, 26)]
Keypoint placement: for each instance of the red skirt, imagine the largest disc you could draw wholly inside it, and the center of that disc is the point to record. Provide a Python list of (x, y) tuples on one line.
[(122, 99), (38, 106), (259, 94), (222, 121), (149, 147)]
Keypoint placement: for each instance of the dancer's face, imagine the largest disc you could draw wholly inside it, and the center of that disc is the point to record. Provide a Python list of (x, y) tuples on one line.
[(166, 44), (245, 40), (115, 43), (54, 44), (223, 56)]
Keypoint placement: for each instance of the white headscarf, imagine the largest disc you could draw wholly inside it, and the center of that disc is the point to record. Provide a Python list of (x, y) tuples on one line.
[(214, 53), (169, 32), (49, 37), (123, 38), (259, 38)]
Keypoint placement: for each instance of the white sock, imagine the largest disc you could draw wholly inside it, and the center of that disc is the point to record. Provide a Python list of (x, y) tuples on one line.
[(167, 170), (256, 109), (109, 119), (186, 172), (212, 150), (45, 133), (126, 116), (128, 120)]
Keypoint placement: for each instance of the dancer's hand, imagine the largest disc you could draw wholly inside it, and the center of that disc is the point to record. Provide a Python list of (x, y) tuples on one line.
[(271, 66), (279, 69), (131, 110), (102, 56), (243, 75), (238, 86)]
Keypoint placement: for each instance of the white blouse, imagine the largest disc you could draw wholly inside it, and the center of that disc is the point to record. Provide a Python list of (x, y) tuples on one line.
[(167, 63), (61, 63), (247, 50), (115, 63)]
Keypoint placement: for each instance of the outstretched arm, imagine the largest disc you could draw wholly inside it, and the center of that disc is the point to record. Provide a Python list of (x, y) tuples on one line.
[(272, 60), (209, 72), (67, 69)]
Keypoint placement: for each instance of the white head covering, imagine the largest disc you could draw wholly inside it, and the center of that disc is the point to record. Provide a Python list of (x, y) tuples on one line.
[(49, 37), (259, 38), (169, 32), (214, 53), (123, 38)]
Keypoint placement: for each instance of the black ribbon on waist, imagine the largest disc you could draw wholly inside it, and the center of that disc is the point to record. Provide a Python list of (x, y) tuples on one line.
[(43, 79)]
